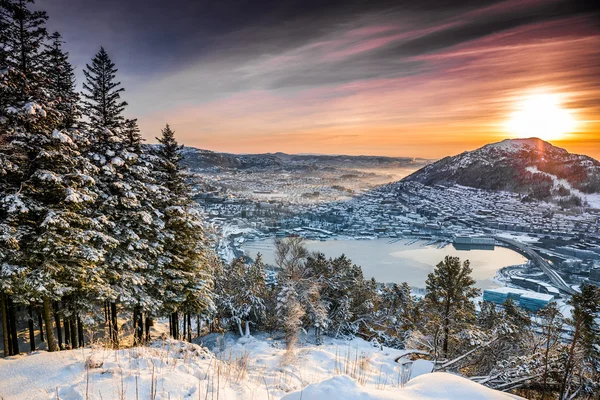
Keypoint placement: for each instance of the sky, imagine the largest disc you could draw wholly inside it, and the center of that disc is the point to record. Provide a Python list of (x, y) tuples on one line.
[(400, 78)]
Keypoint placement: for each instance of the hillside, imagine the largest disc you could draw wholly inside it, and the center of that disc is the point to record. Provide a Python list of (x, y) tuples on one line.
[(247, 368), (204, 159), (532, 167)]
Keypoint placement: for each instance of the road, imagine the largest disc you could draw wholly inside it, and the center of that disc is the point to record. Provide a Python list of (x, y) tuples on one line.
[(527, 251)]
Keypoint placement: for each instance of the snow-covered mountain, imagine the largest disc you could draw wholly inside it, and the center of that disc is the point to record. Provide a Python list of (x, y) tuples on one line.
[(531, 166)]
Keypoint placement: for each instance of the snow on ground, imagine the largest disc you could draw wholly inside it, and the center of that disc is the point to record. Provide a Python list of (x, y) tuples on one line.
[(592, 199), (247, 368), (523, 238)]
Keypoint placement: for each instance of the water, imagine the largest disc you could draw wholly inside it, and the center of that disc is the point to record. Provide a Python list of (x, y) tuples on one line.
[(402, 261)]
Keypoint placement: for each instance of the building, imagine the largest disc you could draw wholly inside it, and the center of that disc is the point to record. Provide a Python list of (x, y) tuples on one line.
[(531, 301)]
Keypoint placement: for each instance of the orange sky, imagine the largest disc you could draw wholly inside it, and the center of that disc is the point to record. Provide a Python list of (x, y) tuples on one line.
[(436, 103)]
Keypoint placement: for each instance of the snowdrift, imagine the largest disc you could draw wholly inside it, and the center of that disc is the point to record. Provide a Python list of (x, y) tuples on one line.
[(249, 368)]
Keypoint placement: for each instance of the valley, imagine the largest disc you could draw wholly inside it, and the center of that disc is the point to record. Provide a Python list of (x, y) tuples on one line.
[(264, 200)]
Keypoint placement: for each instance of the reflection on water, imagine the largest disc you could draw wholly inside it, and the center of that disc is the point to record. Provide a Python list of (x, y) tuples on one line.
[(402, 261)]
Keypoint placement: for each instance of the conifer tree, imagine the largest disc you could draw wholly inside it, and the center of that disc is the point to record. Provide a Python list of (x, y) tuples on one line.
[(186, 280), (23, 36), (44, 207), (551, 323), (580, 361), (127, 188), (102, 103), (61, 76), (133, 138), (450, 294)]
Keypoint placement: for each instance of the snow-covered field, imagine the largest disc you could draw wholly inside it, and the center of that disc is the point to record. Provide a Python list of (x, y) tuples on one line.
[(247, 368)]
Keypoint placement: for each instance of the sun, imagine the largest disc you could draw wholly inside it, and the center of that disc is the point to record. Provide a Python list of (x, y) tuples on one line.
[(542, 116)]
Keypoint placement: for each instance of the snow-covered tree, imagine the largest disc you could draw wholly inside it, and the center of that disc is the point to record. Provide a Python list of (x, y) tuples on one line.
[(449, 298), (128, 189), (299, 300), (102, 103), (61, 80), (45, 214), (186, 280), (581, 360)]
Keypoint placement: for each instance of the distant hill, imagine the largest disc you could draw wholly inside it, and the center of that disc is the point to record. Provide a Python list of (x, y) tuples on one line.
[(532, 167), (203, 159)]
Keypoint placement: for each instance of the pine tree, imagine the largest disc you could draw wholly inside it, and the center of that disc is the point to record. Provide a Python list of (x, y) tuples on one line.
[(61, 76), (54, 242), (24, 35), (102, 103), (186, 280), (127, 192), (579, 362), (449, 295), (133, 138), (551, 323)]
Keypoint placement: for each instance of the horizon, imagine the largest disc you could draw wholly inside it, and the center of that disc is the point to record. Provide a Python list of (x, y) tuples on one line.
[(383, 78), (380, 155)]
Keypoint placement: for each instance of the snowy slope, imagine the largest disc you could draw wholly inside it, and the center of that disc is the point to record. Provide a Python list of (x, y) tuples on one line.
[(437, 386), (528, 166), (237, 369)]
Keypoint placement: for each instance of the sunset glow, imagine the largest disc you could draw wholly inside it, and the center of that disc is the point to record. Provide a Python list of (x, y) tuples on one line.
[(542, 116), (419, 80)]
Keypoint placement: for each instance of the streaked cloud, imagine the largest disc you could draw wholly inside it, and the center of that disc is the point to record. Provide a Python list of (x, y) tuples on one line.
[(383, 78)]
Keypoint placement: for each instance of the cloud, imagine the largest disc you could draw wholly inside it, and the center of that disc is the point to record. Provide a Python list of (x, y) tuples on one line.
[(382, 76)]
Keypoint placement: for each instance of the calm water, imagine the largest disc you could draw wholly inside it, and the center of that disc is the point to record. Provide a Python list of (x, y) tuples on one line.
[(400, 261)]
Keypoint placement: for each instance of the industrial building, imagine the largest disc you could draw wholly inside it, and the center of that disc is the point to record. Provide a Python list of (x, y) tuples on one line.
[(531, 301)]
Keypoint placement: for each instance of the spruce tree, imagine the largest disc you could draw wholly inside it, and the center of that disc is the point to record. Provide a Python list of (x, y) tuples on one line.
[(186, 280), (24, 33), (450, 294), (127, 191), (61, 76), (54, 243), (102, 103)]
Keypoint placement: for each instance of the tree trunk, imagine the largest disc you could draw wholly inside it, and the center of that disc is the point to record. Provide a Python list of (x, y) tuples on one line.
[(147, 326), (545, 376), (198, 326), (568, 367), (67, 332), (135, 323), (41, 324), (48, 323), (5, 341), (142, 327), (115, 324), (80, 332), (184, 326), (239, 325), (58, 327), (108, 321), (73, 329), (31, 328), (189, 323), (446, 329), (12, 326), (175, 323)]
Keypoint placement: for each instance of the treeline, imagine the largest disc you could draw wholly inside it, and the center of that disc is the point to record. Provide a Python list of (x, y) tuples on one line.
[(540, 355), (93, 223)]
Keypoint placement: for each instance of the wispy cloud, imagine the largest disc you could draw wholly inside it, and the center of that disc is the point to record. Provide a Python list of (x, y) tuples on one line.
[(386, 78)]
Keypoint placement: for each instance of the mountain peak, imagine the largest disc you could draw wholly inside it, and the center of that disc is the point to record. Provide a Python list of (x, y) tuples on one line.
[(530, 166), (515, 145)]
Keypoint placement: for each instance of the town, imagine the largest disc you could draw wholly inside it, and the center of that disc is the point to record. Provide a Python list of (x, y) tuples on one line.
[(440, 215)]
